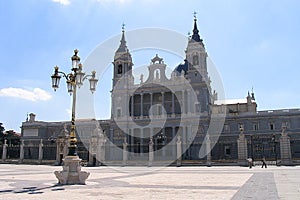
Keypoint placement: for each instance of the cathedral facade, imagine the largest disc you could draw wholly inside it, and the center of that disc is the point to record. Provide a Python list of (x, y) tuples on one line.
[(177, 120)]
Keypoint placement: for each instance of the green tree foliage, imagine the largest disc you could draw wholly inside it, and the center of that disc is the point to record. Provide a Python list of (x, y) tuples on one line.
[(11, 136), (2, 129)]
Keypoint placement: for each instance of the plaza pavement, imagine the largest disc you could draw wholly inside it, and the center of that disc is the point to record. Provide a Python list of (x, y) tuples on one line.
[(39, 182)]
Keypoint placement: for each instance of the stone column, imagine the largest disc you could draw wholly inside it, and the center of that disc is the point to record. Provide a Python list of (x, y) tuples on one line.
[(90, 161), (142, 102), (151, 99), (183, 102), (242, 149), (125, 152), (173, 105), (59, 149), (21, 151), (179, 151), (285, 148), (141, 141), (208, 150), (41, 151), (101, 149), (164, 143), (162, 102), (189, 103), (174, 146), (4, 153), (93, 149), (132, 106), (151, 155), (184, 139)]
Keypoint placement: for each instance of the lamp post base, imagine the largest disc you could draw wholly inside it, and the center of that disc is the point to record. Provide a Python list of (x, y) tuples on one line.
[(71, 173)]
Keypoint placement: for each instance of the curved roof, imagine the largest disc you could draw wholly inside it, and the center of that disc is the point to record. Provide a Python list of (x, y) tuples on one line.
[(182, 67)]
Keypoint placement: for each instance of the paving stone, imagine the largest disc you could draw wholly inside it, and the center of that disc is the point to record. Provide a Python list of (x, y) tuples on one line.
[(39, 182)]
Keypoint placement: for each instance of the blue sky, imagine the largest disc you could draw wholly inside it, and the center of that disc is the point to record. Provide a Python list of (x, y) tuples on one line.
[(252, 43)]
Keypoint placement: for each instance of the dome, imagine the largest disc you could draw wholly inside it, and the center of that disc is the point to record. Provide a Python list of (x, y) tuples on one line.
[(182, 67)]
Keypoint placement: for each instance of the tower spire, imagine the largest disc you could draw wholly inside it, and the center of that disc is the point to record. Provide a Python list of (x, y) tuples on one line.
[(196, 36), (122, 47)]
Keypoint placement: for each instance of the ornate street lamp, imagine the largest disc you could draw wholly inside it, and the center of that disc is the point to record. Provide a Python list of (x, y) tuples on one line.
[(73, 79)]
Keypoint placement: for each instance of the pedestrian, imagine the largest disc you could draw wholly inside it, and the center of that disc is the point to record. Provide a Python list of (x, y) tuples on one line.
[(250, 162), (264, 164)]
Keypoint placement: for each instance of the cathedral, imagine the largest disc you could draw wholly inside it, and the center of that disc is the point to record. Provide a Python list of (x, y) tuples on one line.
[(168, 120)]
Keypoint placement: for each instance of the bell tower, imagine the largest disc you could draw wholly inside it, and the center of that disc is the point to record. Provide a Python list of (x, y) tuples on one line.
[(196, 54), (123, 80), (197, 73), (122, 63)]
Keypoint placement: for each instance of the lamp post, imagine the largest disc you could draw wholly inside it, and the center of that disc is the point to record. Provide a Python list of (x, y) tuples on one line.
[(74, 79)]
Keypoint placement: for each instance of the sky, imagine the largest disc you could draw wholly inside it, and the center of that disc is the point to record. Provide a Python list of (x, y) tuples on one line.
[(251, 43)]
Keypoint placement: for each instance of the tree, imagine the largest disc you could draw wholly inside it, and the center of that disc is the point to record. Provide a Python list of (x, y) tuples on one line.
[(11, 136), (1, 133)]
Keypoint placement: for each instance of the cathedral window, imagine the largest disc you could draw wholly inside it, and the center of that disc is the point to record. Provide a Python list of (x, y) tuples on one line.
[(227, 150), (157, 74), (255, 126), (195, 60), (119, 69), (285, 125), (272, 126)]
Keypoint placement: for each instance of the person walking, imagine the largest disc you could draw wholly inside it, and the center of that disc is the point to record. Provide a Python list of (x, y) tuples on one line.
[(264, 164), (250, 162)]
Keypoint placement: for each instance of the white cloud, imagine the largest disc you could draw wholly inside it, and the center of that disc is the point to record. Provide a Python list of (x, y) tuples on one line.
[(63, 2), (36, 94)]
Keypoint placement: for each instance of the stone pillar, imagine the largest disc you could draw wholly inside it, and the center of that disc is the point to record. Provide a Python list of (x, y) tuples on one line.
[(93, 150), (162, 102), (285, 148), (61, 148), (21, 151), (142, 102), (189, 140), (164, 142), (125, 152), (179, 151), (41, 151), (151, 99), (242, 149), (183, 102), (208, 150), (174, 146), (189, 103), (101, 149), (141, 141), (173, 105), (151, 154), (4, 153), (132, 106), (183, 140)]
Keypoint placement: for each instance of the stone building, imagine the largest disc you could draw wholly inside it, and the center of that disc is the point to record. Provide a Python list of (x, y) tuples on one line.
[(176, 120)]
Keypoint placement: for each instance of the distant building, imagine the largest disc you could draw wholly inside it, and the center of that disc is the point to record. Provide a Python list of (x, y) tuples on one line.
[(135, 129)]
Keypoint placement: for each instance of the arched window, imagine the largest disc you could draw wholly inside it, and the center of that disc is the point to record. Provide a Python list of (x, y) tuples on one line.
[(195, 60), (157, 74), (120, 69)]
